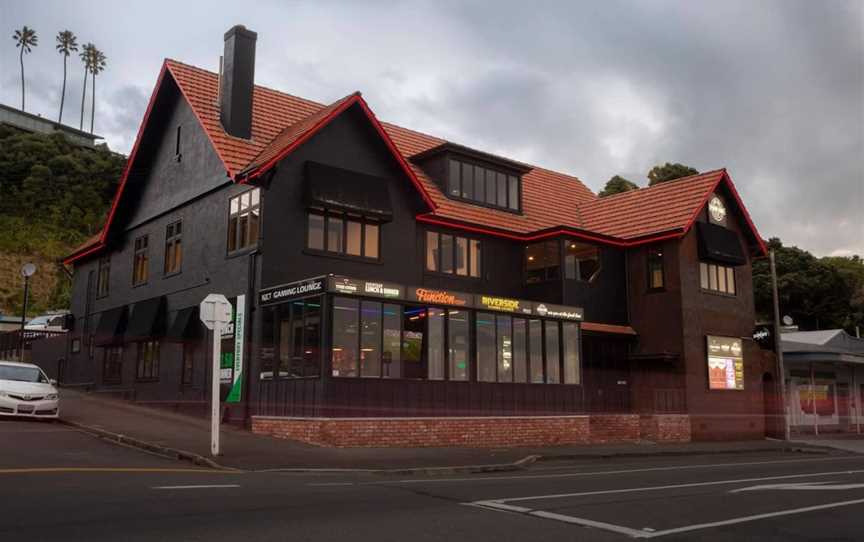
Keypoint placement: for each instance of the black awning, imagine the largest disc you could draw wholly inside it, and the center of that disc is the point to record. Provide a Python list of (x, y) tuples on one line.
[(349, 191), (147, 319), (111, 326), (186, 325), (718, 244)]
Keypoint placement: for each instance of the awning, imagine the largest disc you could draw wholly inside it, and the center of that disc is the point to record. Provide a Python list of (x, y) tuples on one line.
[(147, 319), (596, 327), (349, 191), (186, 325), (718, 244), (111, 325)]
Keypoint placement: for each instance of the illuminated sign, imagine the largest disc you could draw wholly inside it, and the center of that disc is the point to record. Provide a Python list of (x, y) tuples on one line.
[(502, 304), (345, 285), (439, 297), (559, 311), (285, 292), (725, 363)]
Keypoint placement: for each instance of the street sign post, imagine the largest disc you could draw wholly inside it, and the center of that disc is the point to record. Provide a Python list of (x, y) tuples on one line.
[(215, 313)]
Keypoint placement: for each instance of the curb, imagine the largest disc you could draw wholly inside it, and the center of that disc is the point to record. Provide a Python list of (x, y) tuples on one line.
[(521, 464), (816, 450), (174, 453)]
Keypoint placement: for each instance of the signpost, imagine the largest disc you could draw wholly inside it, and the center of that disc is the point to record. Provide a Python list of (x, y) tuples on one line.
[(215, 313)]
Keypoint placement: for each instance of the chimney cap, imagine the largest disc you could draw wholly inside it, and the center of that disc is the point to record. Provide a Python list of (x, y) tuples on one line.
[(241, 30)]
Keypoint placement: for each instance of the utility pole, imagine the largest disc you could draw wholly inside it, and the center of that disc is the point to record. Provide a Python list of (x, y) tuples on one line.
[(778, 346)]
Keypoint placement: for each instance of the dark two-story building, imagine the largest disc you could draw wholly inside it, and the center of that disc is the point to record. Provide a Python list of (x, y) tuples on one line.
[(394, 288)]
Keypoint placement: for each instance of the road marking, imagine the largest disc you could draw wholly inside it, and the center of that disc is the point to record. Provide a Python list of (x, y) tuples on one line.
[(658, 488), (330, 484), (45, 470), (805, 486), (211, 486), (607, 472)]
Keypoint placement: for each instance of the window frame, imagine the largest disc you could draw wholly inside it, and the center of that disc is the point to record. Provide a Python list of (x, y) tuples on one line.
[(147, 370), (652, 256), (728, 272), (140, 260), (172, 242), (577, 262), (366, 223), (108, 359), (103, 277), (546, 278), (483, 199), (252, 244), (469, 258)]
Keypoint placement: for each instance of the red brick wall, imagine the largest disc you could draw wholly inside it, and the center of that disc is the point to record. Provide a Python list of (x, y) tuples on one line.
[(665, 427), (471, 432)]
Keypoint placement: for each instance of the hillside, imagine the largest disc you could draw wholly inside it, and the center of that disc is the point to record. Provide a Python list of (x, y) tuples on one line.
[(53, 196)]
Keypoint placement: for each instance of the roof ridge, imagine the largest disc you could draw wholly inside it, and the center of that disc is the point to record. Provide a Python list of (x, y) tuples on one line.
[(643, 189)]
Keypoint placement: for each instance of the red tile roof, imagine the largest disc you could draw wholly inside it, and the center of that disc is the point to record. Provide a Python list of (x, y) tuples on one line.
[(552, 203)]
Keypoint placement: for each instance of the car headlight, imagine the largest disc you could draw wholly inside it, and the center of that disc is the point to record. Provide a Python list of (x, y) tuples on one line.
[(51, 396)]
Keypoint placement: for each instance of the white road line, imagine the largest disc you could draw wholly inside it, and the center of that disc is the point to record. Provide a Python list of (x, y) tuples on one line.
[(214, 486), (745, 519), (671, 486), (607, 472), (330, 484), (635, 533)]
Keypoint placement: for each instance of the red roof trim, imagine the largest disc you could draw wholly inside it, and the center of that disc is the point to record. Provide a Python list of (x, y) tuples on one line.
[(728, 180), (82, 253), (550, 233)]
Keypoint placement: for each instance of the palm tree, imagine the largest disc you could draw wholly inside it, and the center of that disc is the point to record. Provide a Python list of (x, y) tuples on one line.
[(86, 57), (67, 44), (25, 38), (97, 64)]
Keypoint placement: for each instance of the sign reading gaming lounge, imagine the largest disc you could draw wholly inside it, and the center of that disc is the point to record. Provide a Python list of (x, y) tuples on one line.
[(419, 294)]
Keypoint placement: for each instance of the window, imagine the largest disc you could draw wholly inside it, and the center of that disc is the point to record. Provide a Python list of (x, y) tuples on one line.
[(458, 342), (486, 347), (173, 247), (148, 361), (656, 272), (535, 350), (103, 276), (543, 261), (291, 333), (480, 184), (391, 342), (553, 361), (717, 278), (452, 254), (346, 336), (244, 220), (435, 344), (512, 349), (329, 231), (187, 372), (112, 365), (581, 261), (140, 261), (570, 342)]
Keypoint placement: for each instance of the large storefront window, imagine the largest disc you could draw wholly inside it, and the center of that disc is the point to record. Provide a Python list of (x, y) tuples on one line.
[(570, 336), (370, 338), (435, 344), (413, 328), (459, 342), (485, 347), (553, 361), (290, 340), (391, 350), (346, 343)]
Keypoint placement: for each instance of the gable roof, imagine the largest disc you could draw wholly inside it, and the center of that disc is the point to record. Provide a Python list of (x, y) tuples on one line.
[(553, 203)]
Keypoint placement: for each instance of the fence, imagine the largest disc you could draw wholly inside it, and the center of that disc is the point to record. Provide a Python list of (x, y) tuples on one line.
[(11, 342)]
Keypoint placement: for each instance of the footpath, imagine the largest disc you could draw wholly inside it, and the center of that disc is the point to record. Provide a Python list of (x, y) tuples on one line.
[(188, 438)]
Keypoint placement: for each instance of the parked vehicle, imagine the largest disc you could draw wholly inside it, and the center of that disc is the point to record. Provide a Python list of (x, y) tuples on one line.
[(47, 322), (25, 390)]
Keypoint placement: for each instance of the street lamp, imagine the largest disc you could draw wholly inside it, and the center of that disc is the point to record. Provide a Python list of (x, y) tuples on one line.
[(27, 271)]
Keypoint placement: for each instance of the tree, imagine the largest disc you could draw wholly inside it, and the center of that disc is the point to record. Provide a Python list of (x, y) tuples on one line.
[(669, 172), (813, 291), (26, 39), (66, 45), (86, 57), (617, 185), (97, 65)]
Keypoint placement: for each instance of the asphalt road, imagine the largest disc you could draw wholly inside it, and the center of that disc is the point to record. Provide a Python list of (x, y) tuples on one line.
[(59, 484)]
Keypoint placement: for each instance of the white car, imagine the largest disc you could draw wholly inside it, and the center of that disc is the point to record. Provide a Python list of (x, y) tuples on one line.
[(26, 391)]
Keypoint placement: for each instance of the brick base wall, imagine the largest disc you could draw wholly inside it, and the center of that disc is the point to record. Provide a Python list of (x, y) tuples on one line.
[(479, 432)]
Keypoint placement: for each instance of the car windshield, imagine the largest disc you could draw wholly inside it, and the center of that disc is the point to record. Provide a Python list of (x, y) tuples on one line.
[(21, 374)]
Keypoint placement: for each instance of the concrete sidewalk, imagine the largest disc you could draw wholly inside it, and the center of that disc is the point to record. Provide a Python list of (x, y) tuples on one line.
[(189, 438)]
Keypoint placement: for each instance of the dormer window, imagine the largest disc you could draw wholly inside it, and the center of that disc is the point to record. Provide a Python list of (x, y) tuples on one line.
[(475, 177), (482, 184)]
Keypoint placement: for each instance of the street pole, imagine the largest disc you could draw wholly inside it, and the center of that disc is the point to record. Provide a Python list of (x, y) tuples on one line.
[(215, 415), (23, 318), (778, 345)]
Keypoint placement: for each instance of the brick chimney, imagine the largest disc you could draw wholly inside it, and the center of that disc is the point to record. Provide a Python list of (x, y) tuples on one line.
[(237, 82)]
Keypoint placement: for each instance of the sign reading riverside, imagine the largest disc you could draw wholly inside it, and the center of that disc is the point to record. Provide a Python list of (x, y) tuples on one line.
[(439, 297), (725, 363), (277, 294), (502, 304)]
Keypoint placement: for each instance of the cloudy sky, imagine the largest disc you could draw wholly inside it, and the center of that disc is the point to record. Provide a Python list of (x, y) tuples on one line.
[(771, 90)]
